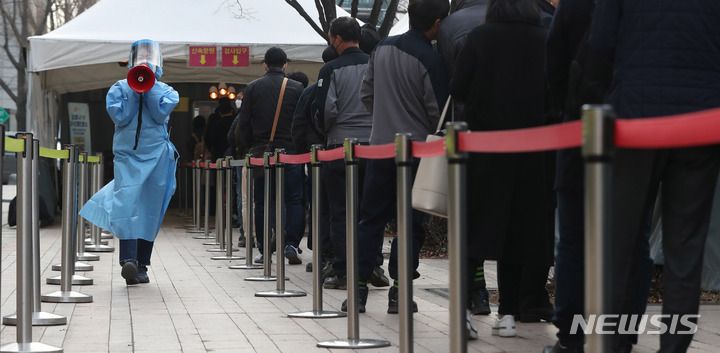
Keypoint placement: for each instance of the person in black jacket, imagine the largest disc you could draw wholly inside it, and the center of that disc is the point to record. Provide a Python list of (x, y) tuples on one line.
[(257, 117), (500, 76), (665, 59)]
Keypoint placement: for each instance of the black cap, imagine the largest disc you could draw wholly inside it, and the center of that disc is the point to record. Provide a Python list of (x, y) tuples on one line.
[(275, 57)]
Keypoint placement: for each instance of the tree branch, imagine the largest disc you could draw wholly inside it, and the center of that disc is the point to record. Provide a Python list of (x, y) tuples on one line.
[(307, 18)]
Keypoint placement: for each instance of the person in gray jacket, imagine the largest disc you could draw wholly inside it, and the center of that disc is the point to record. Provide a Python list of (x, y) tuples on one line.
[(404, 88), (341, 115)]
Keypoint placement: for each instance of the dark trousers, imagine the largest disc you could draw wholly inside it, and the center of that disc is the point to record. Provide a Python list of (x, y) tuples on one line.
[(688, 177), (136, 249), (521, 287), (379, 205), (334, 181), (293, 205)]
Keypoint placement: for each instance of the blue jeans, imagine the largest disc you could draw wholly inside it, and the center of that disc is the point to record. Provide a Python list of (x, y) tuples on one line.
[(239, 191), (136, 250), (294, 211)]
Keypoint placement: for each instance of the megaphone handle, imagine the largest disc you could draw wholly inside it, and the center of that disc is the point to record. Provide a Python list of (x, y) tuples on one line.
[(139, 124)]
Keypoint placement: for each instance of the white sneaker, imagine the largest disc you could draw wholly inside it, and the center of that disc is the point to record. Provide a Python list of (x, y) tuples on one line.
[(504, 327), (471, 329)]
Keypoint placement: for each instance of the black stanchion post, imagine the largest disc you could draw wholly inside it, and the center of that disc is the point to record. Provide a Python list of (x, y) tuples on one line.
[(457, 253), (280, 290), (317, 311), (404, 163), (597, 150), (351, 209), (249, 221), (267, 271)]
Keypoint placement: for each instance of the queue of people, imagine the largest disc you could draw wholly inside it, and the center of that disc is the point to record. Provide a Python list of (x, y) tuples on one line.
[(505, 64)]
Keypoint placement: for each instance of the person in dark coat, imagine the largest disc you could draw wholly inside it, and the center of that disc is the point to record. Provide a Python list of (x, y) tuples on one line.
[(665, 59), (569, 89), (452, 34), (500, 75)]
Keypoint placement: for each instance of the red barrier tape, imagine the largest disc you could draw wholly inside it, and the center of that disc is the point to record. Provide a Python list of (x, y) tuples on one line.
[(331, 155), (545, 138), (428, 149), (295, 158), (212, 165), (256, 161), (682, 130), (375, 152)]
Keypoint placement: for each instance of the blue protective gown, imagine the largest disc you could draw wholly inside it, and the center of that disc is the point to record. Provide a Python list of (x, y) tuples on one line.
[(133, 205)]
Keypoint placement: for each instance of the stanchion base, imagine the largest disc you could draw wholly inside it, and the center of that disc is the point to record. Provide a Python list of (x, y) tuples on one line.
[(87, 257), (212, 243), (79, 267), (76, 280), (195, 231), (106, 236), (281, 293), (29, 347), (358, 343), (99, 248), (262, 279), (221, 250), (318, 314), (246, 267), (232, 257), (89, 242), (39, 318), (66, 297), (203, 237)]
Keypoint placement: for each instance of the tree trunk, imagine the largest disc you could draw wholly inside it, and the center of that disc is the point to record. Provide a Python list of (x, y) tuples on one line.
[(375, 12), (389, 19), (354, 8)]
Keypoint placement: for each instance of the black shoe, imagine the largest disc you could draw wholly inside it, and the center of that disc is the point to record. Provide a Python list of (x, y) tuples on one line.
[(335, 283), (308, 267), (241, 241), (544, 313), (328, 271), (142, 274), (479, 302), (130, 272), (557, 348), (393, 305), (291, 253), (362, 297), (378, 278)]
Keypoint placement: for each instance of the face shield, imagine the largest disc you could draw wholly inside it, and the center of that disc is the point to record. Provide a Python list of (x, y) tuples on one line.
[(147, 52)]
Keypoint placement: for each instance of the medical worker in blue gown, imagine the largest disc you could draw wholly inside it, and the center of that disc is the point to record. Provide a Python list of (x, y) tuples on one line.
[(132, 206)]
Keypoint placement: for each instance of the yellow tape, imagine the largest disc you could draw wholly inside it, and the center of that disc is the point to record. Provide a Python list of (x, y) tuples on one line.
[(14, 145), (93, 159), (51, 153)]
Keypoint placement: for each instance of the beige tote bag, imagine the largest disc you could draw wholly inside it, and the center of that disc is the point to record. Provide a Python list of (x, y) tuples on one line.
[(430, 189)]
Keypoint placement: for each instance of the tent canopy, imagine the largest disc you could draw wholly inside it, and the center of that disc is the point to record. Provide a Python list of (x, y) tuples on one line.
[(84, 53)]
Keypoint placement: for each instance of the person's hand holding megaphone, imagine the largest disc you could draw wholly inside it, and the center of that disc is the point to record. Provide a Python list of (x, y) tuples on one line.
[(141, 78)]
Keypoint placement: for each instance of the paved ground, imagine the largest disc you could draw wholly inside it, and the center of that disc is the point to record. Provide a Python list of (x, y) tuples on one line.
[(195, 304)]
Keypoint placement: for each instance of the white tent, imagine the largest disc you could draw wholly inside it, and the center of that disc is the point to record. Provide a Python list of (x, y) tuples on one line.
[(85, 53)]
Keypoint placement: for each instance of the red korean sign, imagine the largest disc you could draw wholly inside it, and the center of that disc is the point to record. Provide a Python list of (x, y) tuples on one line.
[(235, 56), (202, 56)]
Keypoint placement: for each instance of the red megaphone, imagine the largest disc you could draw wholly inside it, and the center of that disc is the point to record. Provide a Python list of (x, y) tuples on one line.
[(140, 78)]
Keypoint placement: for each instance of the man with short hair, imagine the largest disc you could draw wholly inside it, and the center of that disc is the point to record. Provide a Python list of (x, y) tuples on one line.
[(340, 112), (257, 124), (404, 88)]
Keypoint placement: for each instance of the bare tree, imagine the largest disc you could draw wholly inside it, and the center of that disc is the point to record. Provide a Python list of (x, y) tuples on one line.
[(20, 20)]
